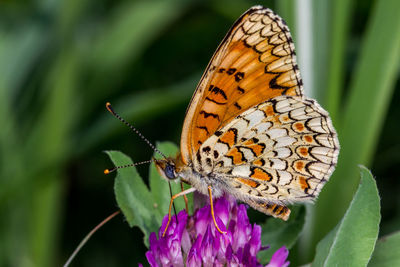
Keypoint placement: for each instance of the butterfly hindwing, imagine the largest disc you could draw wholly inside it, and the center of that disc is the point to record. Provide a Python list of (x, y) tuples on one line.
[(278, 152)]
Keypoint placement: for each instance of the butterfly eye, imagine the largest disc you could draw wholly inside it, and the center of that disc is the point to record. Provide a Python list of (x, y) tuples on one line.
[(170, 171)]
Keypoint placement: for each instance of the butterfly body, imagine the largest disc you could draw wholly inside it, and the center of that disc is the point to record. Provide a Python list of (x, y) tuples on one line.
[(249, 131), (190, 175)]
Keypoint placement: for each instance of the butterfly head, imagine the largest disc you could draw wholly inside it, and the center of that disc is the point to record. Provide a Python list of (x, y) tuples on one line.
[(167, 169)]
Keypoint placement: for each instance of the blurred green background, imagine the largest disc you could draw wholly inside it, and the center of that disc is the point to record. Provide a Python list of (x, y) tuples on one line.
[(61, 61)]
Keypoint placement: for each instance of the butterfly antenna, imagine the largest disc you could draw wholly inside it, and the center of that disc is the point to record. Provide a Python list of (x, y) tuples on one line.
[(107, 171), (88, 236), (173, 203), (111, 110)]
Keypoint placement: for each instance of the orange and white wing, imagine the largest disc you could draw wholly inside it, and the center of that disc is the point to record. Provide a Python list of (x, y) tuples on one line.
[(255, 62), (278, 152)]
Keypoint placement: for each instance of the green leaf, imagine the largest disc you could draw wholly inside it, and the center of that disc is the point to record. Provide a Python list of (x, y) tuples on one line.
[(335, 54), (277, 233), (362, 115), (133, 197), (143, 207), (159, 186), (287, 10), (46, 151), (387, 251), (352, 241)]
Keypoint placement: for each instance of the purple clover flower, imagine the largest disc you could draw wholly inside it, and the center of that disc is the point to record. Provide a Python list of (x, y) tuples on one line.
[(194, 240)]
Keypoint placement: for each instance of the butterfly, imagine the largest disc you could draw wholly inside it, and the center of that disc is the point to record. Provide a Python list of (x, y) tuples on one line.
[(249, 131)]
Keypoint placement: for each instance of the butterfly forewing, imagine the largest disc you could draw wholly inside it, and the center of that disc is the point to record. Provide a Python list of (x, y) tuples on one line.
[(255, 62)]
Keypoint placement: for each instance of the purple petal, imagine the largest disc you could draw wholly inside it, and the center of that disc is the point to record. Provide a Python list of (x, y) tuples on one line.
[(196, 239), (163, 225), (239, 254), (243, 229), (246, 258), (176, 254), (232, 226), (229, 253), (231, 259), (194, 256), (207, 248), (217, 263), (164, 254), (186, 243), (152, 254), (220, 224), (279, 258), (234, 208), (181, 226), (255, 240), (150, 258), (182, 220), (171, 228), (202, 219), (221, 208), (234, 262), (153, 241), (223, 242)]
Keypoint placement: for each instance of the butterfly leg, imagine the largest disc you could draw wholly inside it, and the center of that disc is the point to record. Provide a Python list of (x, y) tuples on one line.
[(212, 211), (187, 191), (185, 198)]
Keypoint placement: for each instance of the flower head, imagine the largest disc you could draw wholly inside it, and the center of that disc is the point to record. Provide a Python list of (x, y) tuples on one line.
[(195, 241)]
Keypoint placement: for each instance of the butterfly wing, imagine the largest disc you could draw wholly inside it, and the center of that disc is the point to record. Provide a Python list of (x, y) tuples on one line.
[(278, 152), (255, 62)]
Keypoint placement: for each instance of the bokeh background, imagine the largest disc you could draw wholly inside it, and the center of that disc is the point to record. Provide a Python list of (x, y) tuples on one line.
[(61, 61)]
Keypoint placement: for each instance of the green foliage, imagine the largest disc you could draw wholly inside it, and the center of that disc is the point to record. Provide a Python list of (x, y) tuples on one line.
[(363, 112), (352, 241), (134, 198), (62, 60), (277, 233), (59, 61), (386, 251), (143, 207)]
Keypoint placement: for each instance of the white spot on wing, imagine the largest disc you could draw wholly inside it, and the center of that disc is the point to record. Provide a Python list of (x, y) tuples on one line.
[(255, 117), (278, 164), (284, 177), (315, 124), (221, 148), (248, 155), (275, 133), (241, 171), (283, 106), (284, 141), (263, 127), (318, 169), (282, 152)]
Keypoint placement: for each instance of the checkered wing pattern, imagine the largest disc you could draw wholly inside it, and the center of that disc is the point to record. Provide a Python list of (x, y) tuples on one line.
[(278, 152)]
